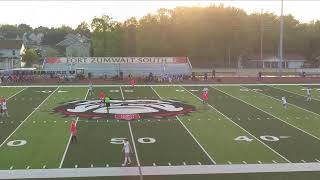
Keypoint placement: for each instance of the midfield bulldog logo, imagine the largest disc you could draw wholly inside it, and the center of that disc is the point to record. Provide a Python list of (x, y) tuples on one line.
[(125, 109)]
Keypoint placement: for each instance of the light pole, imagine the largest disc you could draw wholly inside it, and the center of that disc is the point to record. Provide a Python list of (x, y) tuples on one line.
[(281, 39)]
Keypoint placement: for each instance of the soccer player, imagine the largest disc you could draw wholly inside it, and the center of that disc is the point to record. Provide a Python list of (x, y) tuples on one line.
[(126, 149), (133, 83), (107, 101), (205, 95), (73, 132), (102, 95), (284, 102), (4, 108), (308, 94), (90, 88)]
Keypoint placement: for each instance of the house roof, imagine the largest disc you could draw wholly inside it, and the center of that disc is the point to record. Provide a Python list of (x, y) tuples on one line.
[(73, 39), (287, 56), (11, 44)]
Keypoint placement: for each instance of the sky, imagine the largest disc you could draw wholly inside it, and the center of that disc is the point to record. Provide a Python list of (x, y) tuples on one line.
[(71, 13)]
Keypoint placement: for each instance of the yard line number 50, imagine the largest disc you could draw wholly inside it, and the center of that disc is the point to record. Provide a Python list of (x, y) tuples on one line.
[(144, 140)]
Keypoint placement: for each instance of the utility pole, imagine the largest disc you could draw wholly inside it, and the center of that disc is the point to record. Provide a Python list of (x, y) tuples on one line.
[(281, 38)]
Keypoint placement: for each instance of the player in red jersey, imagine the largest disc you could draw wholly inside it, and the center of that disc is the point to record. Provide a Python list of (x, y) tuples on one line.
[(133, 83), (73, 132), (205, 95)]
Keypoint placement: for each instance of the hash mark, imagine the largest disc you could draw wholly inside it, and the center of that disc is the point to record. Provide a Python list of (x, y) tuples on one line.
[(229, 162), (11, 167), (317, 160), (259, 162), (199, 163), (244, 162), (274, 161)]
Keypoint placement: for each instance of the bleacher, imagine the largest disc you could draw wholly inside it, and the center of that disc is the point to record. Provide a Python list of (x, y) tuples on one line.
[(111, 66)]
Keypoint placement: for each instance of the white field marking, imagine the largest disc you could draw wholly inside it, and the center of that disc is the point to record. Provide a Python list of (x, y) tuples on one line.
[(134, 145), (293, 104), (11, 167), (303, 161), (199, 163), (44, 167), (317, 160), (184, 163), (243, 129), (133, 142), (229, 162), (189, 132), (159, 170), (17, 93), (278, 117), (293, 92), (244, 162), (67, 147), (259, 162), (274, 161), (121, 92), (163, 85), (28, 167), (28, 117)]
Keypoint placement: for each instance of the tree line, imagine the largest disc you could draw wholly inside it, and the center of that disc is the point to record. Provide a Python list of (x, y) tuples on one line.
[(207, 35)]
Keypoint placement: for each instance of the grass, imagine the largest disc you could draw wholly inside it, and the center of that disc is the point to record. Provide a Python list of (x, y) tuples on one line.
[(240, 125)]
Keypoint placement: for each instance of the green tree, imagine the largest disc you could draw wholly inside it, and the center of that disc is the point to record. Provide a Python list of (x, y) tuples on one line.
[(30, 57), (83, 29)]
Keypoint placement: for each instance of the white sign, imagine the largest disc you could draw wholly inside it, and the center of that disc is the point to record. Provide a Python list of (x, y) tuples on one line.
[(116, 60)]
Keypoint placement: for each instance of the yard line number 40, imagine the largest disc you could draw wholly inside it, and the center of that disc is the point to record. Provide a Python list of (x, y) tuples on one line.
[(264, 138)]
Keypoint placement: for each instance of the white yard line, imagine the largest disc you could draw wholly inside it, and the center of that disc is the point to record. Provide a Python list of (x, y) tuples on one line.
[(17, 93), (121, 93), (134, 145), (211, 159), (28, 117), (160, 85), (67, 147), (159, 170), (241, 128), (276, 116), (133, 142), (291, 103)]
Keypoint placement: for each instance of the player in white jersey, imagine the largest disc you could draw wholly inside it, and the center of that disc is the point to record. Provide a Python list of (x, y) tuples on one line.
[(284, 102), (126, 149), (90, 88), (4, 108), (308, 94)]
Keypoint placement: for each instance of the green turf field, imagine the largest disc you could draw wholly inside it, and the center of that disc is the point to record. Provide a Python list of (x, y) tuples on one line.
[(243, 132)]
